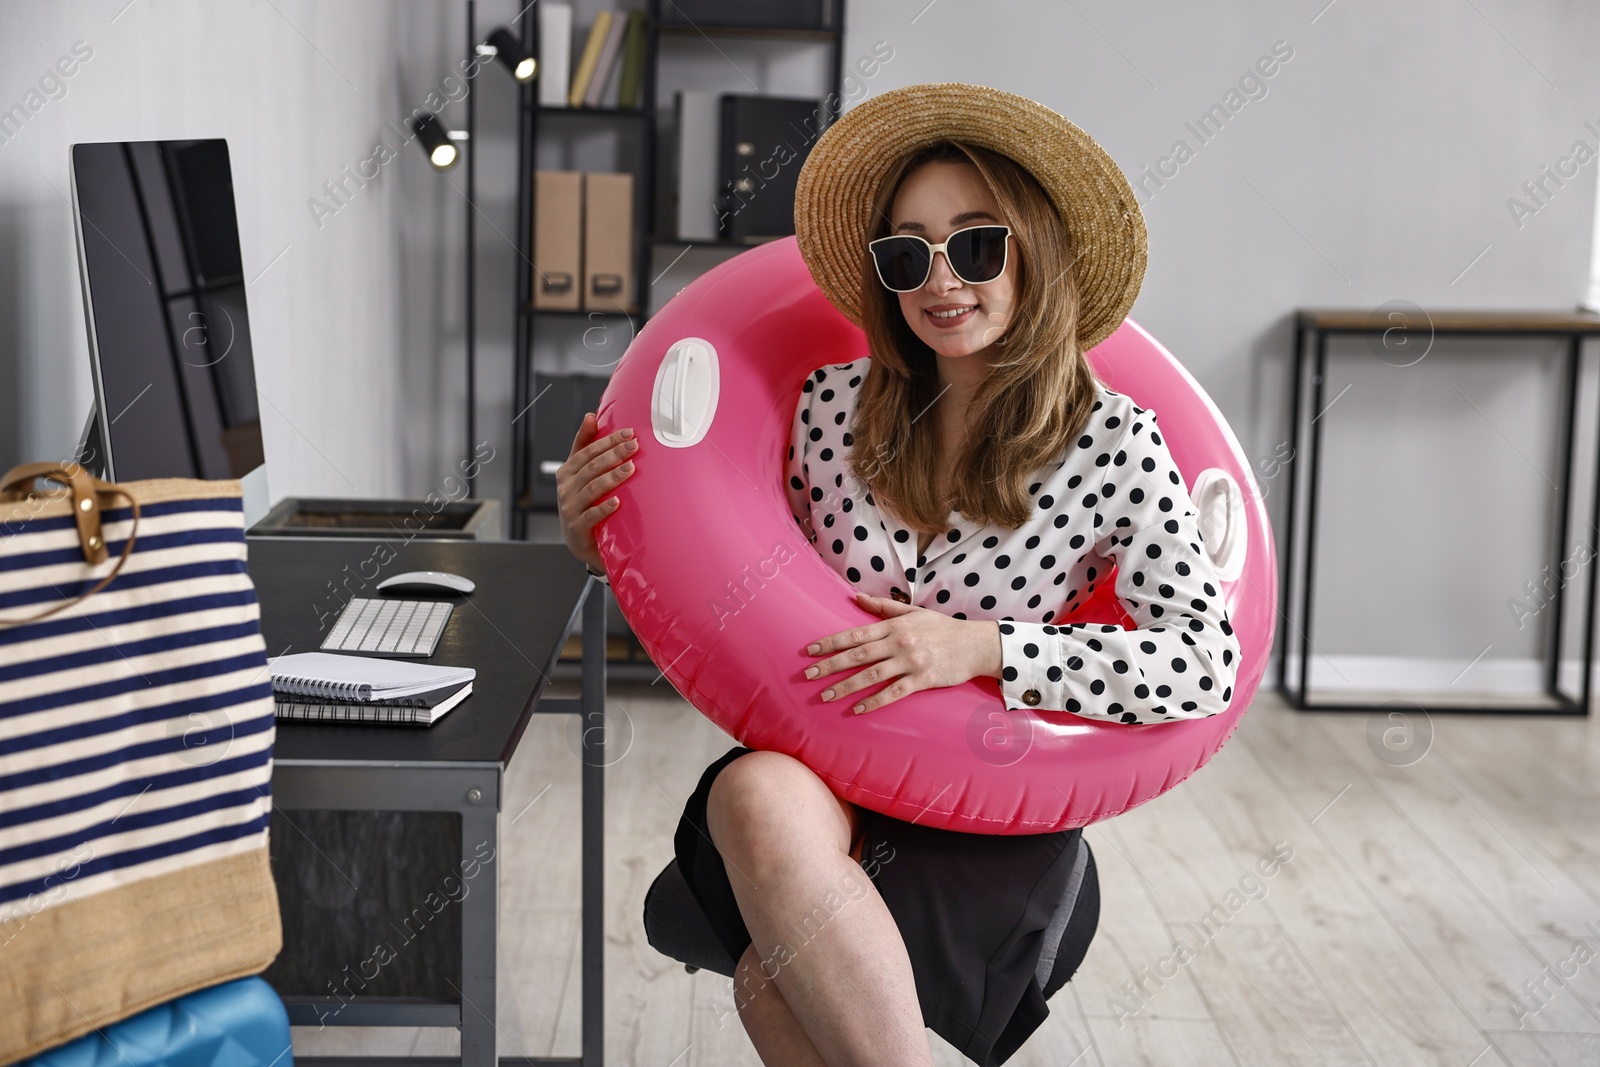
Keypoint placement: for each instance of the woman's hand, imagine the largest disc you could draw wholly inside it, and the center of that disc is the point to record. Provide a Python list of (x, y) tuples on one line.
[(916, 647), (592, 470)]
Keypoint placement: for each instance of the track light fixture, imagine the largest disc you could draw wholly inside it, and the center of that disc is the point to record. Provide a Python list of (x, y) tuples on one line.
[(517, 59), (435, 141)]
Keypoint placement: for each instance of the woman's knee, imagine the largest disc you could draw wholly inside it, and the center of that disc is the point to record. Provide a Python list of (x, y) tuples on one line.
[(767, 801)]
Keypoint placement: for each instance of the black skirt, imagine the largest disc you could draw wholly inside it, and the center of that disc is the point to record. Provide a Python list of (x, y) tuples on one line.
[(971, 908)]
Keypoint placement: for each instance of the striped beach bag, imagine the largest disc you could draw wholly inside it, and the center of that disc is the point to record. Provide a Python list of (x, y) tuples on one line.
[(136, 729)]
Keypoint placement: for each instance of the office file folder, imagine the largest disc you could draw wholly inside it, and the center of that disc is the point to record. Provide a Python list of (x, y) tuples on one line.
[(557, 239), (607, 241)]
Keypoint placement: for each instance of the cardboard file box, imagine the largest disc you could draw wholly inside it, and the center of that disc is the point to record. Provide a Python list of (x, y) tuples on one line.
[(558, 240), (607, 241)]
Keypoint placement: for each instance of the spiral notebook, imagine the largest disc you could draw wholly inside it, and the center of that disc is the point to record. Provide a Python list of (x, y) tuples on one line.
[(323, 687)]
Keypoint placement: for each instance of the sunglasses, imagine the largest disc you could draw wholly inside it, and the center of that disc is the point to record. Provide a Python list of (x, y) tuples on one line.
[(976, 255)]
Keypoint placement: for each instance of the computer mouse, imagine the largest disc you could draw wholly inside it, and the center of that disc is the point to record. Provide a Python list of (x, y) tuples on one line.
[(426, 582)]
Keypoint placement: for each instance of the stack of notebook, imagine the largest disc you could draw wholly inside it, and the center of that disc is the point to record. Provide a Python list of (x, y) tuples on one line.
[(324, 687)]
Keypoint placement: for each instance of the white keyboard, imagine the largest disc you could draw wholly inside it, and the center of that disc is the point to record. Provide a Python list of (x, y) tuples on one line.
[(389, 627)]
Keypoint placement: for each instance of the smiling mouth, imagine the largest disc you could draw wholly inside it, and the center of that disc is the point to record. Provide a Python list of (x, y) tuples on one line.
[(952, 317)]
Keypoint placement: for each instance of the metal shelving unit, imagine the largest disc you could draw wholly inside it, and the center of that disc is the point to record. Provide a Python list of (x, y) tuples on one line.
[(531, 118)]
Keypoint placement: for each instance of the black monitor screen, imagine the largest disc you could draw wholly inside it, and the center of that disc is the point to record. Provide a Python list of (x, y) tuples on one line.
[(169, 330)]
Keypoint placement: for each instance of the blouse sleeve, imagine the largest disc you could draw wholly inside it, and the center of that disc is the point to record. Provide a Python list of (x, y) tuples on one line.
[(1182, 660), (796, 476)]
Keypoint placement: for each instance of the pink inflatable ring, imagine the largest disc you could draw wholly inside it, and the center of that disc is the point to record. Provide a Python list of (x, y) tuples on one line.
[(725, 592)]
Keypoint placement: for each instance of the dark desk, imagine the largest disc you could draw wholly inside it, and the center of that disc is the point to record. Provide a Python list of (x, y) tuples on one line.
[(1402, 331), (511, 629)]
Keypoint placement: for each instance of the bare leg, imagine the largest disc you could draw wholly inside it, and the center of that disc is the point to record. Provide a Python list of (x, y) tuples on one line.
[(820, 931), (779, 1038)]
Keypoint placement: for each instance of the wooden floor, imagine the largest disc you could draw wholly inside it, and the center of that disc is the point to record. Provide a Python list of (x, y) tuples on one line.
[(1442, 913)]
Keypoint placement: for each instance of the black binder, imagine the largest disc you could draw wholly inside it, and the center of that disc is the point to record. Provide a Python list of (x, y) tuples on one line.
[(764, 142), (791, 14)]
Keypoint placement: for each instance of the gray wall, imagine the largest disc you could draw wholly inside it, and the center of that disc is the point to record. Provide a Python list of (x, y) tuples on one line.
[(355, 317), (1377, 166)]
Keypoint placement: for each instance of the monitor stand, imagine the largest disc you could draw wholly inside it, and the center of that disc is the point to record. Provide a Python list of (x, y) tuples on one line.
[(90, 455)]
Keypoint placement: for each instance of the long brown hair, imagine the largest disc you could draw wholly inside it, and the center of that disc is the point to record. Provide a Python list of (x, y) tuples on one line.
[(1035, 399)]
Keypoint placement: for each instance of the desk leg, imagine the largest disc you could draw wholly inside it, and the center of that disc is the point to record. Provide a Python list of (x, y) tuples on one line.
[(595, 728), (1287, 586), (480, 910)]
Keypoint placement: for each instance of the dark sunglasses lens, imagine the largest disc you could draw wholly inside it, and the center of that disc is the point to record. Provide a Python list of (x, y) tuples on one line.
[(902, 262), (979, 254)]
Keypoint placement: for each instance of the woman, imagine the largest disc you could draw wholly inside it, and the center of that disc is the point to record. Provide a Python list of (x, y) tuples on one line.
[(973, 480)]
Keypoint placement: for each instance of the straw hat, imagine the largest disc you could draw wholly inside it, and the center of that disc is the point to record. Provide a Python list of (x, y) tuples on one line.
[(841, 176)]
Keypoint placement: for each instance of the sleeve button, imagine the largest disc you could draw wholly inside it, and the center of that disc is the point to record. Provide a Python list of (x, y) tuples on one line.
[(1031, 698)]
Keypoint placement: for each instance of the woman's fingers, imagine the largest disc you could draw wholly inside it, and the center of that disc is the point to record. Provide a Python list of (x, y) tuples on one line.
[(581, 457), (587, 429), (585, 493), (890, 668), (871, 652), (596, 466), (589, 516), (605, 460), (903, 686)]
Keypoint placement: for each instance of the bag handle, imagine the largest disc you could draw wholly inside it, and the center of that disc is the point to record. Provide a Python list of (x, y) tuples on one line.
[(17, 484)]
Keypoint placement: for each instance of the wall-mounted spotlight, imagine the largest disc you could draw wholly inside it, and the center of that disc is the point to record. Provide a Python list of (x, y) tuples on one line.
[(517, 59), (435, 141)]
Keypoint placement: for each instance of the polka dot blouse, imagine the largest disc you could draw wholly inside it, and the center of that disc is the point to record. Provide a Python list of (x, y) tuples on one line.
[(1116, 497)]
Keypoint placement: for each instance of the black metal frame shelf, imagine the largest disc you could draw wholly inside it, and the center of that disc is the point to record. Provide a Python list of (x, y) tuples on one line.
[(793, 33), (1312, 330), (618, 112), (530, 115)]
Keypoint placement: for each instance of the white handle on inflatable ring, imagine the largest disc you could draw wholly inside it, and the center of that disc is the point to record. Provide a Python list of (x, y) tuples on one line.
[(1222, 521), (684, 399)]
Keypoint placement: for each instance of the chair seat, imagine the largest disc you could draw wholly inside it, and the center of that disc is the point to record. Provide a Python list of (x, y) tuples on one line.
[(676, 927), (236, 1024)]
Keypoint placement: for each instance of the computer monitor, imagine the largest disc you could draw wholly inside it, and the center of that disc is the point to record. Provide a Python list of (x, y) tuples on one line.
[(169, 330)]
